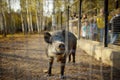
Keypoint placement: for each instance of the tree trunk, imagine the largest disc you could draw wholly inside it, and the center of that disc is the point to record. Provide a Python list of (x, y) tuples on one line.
[(27, 15), (25, 23), (4, 24), (31, 26), (38, 29), (14, 25), (37, 16), (40, 23), (10, 17), (23, 30), (41, 18)]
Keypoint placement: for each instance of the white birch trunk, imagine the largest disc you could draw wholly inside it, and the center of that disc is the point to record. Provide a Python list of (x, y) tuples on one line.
[(23, 30), (31, 26), (28, 20)]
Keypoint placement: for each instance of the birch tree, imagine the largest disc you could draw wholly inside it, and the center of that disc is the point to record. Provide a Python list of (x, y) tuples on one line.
[(23, 19), (3, 8)]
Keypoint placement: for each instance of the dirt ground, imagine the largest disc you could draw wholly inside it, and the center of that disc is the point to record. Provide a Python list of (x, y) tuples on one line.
[(24, 58)]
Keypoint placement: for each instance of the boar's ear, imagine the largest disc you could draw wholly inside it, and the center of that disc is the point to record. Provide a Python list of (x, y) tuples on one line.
[(47, 37), (63, 33)]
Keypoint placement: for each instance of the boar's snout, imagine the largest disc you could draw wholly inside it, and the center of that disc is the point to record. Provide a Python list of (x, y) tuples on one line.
[(62, 47)]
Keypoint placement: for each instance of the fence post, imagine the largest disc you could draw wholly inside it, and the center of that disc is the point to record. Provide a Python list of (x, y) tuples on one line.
[(106, 23), (79, 18), (116, 4), (67, 29)]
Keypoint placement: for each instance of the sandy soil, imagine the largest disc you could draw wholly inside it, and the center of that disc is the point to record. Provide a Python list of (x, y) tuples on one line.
[(24, 58)]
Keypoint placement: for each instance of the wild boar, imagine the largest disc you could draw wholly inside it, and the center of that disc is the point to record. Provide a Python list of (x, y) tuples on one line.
[(56, 48)]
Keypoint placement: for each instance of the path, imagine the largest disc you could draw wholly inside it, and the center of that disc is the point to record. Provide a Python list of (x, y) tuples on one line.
[(25, 59)]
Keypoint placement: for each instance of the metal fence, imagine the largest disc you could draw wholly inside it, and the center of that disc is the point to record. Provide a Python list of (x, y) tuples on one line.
[(23, 58)]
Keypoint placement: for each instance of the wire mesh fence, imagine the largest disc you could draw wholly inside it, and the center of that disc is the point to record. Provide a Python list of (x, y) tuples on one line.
[(23, 57)]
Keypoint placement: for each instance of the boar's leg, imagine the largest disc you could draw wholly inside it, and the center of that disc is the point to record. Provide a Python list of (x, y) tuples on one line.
[(69, 57), (50, 66), (73, 54), (63, 61)]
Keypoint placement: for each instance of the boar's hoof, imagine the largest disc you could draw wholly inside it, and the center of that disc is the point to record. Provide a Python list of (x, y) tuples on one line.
[(62, 77), (48, 75)]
